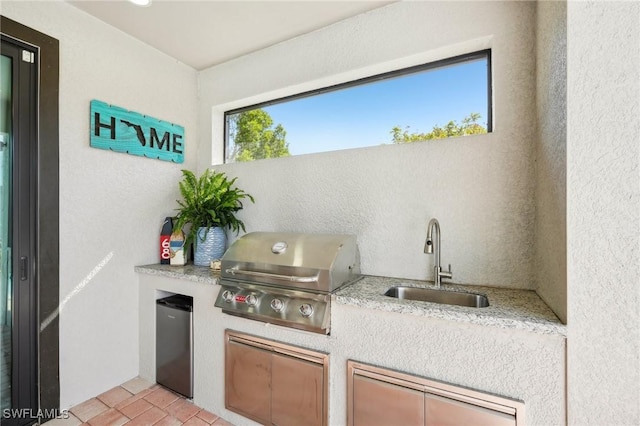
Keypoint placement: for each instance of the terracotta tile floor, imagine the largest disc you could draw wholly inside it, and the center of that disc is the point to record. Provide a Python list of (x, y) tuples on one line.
[(138, 402)]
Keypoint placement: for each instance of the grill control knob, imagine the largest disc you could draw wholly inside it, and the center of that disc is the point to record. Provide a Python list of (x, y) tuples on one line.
[(277, 305), (306, 310), (251, 300), (228, 296)]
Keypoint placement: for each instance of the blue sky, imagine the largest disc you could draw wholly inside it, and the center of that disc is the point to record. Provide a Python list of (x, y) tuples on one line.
[(364, 115)]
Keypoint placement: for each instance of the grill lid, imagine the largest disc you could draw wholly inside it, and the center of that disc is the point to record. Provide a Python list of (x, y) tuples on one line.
[(313, 262)]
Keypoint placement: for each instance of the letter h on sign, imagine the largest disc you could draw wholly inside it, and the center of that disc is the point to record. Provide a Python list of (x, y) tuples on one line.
[(117, 129)]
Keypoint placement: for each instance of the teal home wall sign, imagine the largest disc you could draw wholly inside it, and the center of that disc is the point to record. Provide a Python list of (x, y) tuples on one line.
[(121, 130)]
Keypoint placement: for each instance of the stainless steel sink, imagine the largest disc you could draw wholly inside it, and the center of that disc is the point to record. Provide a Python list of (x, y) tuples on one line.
[(438, 296)]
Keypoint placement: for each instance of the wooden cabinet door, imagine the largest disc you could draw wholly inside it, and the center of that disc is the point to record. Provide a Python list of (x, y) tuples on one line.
[(377, 403), (297, 392), (440, 411), (248, 381)]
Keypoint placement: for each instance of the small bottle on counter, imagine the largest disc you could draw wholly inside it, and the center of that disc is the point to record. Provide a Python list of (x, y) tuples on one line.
[(177, 249), (165, 245)]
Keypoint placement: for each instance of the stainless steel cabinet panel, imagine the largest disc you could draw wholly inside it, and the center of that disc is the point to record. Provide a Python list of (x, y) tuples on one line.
[(449, 412), (376, 403), (297, 387), (379, 396), (274, 383), (248, 381)]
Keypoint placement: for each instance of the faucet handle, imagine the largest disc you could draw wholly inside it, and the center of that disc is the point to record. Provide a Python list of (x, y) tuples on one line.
[(446, 274)]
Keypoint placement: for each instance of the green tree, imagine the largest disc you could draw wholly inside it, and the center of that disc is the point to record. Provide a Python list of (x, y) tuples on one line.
[(469, 126), (255, 137)]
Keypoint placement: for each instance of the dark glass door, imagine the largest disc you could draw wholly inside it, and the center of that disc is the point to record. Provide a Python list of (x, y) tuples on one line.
[(18, 170)]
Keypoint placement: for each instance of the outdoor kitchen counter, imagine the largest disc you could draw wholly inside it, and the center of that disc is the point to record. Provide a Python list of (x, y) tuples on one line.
[(200, 274), (515, 347), (508, 308)]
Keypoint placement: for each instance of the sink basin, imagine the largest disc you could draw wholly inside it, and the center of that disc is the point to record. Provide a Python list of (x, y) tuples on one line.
[(438, 296)]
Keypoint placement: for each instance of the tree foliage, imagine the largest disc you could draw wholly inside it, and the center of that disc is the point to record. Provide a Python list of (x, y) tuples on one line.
[(469, 126), (255, 137)]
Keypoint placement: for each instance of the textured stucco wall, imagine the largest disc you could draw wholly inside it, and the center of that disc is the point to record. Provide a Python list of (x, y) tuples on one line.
[(512, 363), (480, 188), (551, 155), (603, 204), (111, 205)]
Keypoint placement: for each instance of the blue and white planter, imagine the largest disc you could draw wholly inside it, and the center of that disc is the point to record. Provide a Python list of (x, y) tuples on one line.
[(210, 248)]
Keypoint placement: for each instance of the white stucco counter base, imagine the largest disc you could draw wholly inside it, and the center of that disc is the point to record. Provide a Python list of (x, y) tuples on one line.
[(154, 287), (512, 362)]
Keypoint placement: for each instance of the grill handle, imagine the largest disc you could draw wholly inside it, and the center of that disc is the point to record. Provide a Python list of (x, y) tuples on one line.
[(293, 278)]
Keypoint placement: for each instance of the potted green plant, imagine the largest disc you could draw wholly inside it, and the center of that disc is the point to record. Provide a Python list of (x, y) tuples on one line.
[(209, 204)]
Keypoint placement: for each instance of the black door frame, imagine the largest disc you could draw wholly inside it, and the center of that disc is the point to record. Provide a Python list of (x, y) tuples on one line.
[(47, 252), (24, 335)]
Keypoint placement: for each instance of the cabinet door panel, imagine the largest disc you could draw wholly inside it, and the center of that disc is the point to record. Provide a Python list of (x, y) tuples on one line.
[(441, 411), (297, 392), (376, 403), (247, 381)]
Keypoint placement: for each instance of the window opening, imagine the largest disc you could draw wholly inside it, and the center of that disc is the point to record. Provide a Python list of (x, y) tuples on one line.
[(446, 98)]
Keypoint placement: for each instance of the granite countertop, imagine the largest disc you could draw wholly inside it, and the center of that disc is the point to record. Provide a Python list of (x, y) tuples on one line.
[(200, 274), (508, 308)]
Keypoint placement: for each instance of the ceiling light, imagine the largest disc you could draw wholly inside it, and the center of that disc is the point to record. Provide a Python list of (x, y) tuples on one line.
[(141, 2)]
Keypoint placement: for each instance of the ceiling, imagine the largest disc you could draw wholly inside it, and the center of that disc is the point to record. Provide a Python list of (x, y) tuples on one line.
[(206, 33)]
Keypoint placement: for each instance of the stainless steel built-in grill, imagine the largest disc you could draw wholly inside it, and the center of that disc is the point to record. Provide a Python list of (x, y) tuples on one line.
[(287, 278)]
